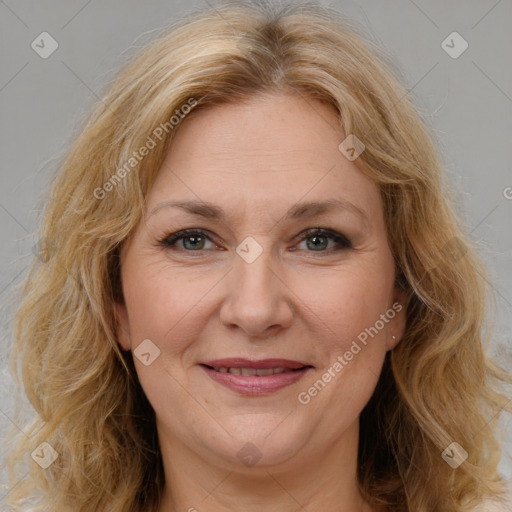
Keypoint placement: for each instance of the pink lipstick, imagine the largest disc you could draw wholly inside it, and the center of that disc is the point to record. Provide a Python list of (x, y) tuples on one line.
[(255, 377)]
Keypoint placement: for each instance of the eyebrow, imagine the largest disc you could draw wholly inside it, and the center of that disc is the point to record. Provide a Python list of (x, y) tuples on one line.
[(298, 211)]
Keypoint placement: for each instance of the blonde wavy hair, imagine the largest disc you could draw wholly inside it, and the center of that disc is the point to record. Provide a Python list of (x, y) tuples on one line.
[(437, 386)]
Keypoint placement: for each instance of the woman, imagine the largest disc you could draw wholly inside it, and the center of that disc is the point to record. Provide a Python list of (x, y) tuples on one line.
[(253, 291)]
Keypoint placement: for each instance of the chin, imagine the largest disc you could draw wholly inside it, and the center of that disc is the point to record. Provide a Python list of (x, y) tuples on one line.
[(262, 445)]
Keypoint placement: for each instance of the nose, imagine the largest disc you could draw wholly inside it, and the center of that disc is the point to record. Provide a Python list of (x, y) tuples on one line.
[(258, 299)]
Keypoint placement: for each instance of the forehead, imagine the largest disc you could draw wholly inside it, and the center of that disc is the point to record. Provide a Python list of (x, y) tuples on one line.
[(265, 154)]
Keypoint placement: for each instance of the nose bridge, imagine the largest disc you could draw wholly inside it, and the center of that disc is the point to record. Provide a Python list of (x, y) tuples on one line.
[(254, 269), (257, 298)]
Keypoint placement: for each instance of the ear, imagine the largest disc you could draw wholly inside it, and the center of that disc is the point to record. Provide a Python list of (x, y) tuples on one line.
[(122, 326), (396, 327)]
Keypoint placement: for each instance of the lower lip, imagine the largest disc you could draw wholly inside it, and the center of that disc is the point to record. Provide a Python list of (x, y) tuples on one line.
[(255, 385)]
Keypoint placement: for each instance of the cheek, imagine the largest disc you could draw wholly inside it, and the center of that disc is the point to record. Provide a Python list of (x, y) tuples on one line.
[(353, 307), (344, 303), (160, 302)]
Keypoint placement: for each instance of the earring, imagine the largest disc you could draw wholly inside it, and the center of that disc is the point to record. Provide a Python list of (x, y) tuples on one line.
[(394, 338)]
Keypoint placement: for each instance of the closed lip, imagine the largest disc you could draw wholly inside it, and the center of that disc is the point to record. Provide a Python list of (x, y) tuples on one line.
[(237, 362)]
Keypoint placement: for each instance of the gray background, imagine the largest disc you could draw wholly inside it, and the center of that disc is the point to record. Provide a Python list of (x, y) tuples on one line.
[(42, 102)]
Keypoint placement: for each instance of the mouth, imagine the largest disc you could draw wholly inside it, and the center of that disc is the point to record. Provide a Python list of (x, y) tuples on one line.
[(249, 377)]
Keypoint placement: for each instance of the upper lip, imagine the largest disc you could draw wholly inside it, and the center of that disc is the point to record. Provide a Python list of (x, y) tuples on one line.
[(238, 362)]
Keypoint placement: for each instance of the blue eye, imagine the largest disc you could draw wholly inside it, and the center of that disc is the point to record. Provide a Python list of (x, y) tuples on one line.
[(320, 238), (193, 240), (196, 237)]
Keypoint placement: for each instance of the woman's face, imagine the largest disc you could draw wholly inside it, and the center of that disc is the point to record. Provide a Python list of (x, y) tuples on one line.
[(310, 314)]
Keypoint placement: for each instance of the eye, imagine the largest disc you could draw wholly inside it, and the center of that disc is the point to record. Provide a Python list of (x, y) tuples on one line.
[(320, 240), (194, 240)]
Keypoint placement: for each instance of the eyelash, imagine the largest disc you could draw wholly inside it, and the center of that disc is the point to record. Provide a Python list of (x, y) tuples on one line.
[(169, 241)]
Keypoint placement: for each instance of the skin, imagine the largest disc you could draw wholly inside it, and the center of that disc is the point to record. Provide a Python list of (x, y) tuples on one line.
[(256, 160)]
